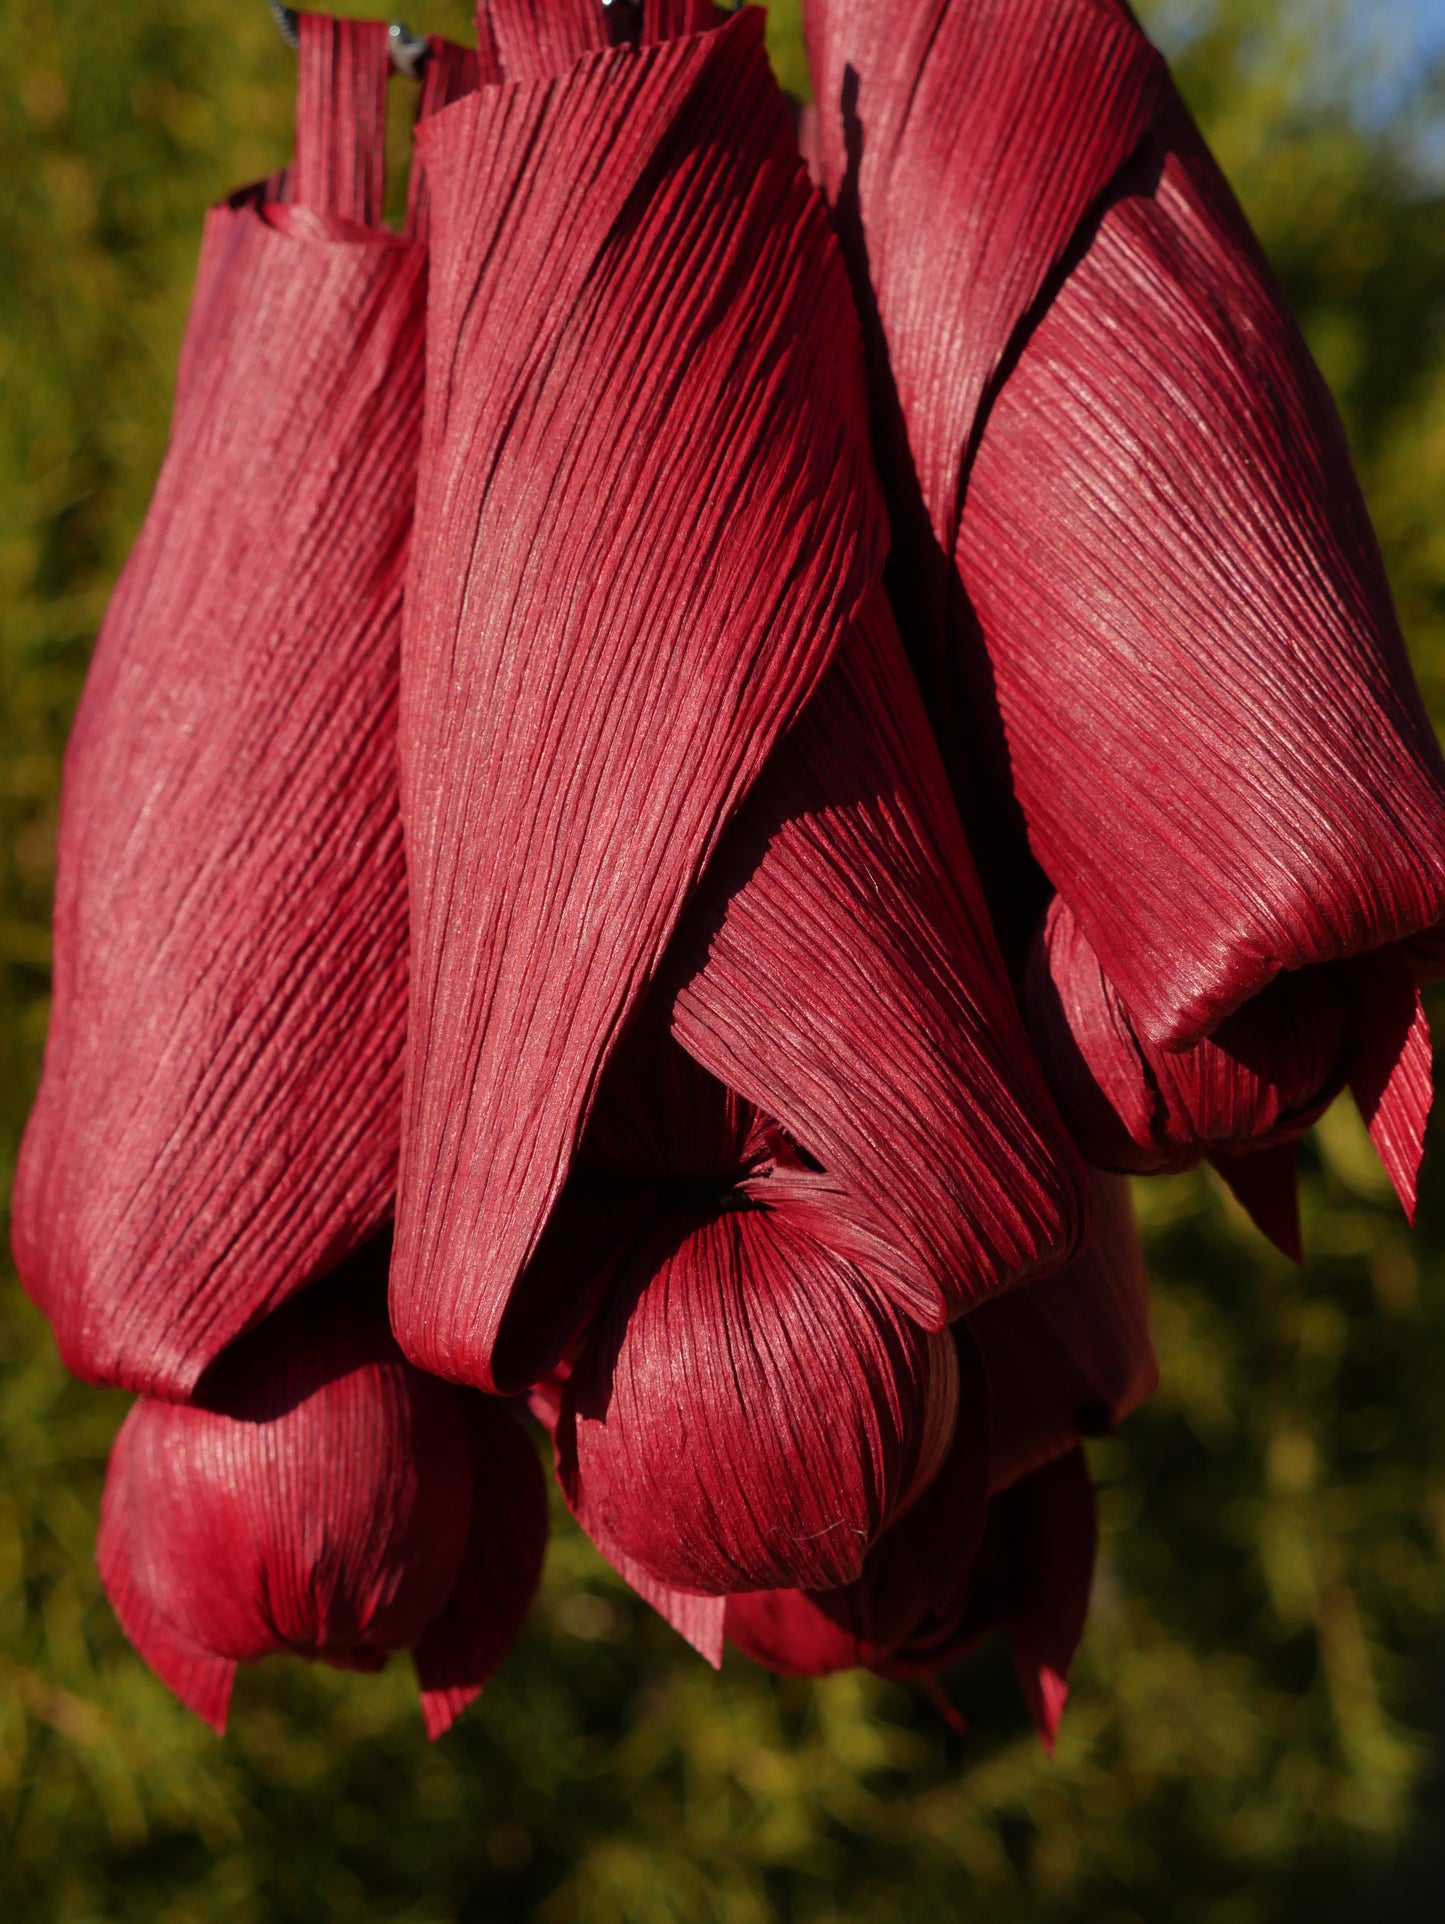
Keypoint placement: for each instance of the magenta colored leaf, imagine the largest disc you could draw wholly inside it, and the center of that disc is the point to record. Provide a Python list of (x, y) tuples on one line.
[(532, 40), (960, 148), (321, 1496), (723, 1282), (1267, 1072), (218, 1119), (537, 39), (1245, 1094), (916, 1567), (340, 160), (787, 1631), (840, 972), (1266, 1184), (1077, 1339), (750, 1411), (1031, 1575), (1391, 1072), (200, 1679), (698, 1620), (314, 1497), (645, 520), (1216, 802), (1070, 1355), (1164, 589), (749, 1407), (663, 1136), (501, 1567), (586, 1241), (449, 73)]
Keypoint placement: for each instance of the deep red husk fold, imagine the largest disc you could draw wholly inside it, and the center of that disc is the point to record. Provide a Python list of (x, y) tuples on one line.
[(749, 1405), (645, 514), (321, 1496), (1004, 1534), (528, 40), (1070, 1355), (1244, 1095), (1134, 565), (838, 968), (1038, 1369), (1030, 1574), (217, 1122)]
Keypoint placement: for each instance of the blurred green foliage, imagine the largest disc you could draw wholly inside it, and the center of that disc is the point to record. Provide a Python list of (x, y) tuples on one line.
[(1256, 1732)]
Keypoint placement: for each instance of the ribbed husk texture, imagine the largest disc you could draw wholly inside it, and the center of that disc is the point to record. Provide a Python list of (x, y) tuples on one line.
[(517, 789), (218, 1118), (648, 526), (1030, 1576), (322, 1496), (1136, 572)]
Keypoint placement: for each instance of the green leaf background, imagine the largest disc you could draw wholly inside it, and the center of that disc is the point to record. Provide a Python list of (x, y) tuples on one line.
[(1256, 1735)]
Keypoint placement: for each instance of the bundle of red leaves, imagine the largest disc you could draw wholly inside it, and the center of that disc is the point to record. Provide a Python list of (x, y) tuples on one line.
[(520, 836)]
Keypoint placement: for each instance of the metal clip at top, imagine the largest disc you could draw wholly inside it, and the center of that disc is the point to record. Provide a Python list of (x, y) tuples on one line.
[(287, 23), (408, 50)]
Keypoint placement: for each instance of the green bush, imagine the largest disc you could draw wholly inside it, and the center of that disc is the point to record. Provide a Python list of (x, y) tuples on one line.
[(1255, 1734)]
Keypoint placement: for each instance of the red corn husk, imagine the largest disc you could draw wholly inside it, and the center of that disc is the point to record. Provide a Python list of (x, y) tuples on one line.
[(645, 512), (1031, 1576), (750, 1411), (917, 1568), (749, 1406), (839, 969), (322, 1496), (1266, 1073), (668, 1160), (1128, 527), (1070, 1355), (218, 1119), (960, 150), (1062, 1358), (528, 40), (1244, 1095)]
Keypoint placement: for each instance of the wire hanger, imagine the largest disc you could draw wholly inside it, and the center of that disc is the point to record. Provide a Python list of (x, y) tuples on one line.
[(408, 50)]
